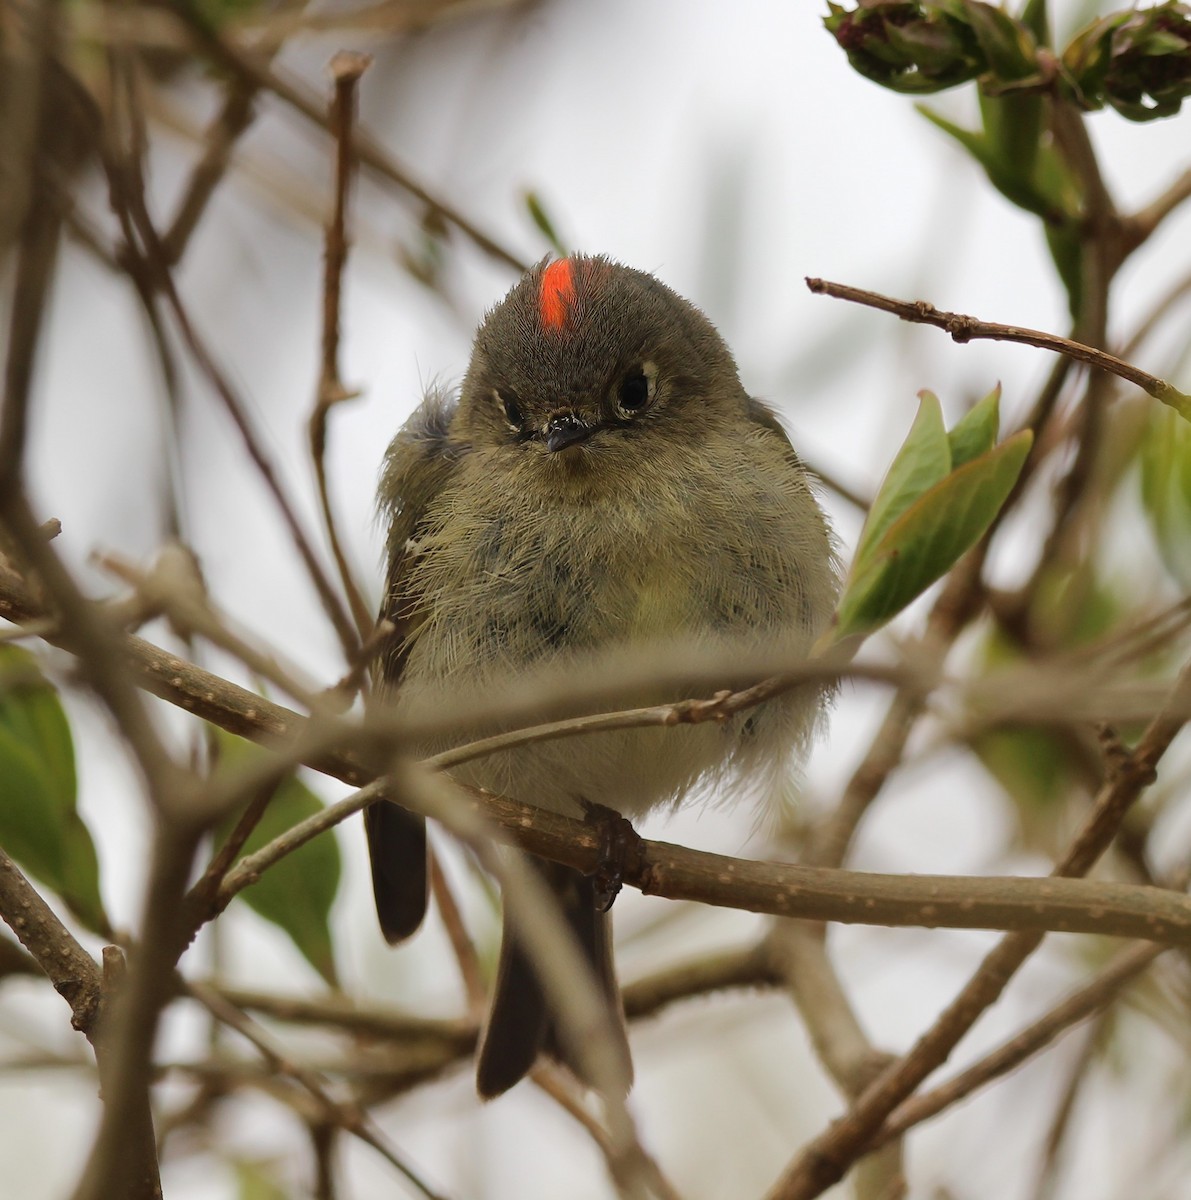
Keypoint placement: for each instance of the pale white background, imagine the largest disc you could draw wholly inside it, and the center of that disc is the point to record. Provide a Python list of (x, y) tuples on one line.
[(729, 149)]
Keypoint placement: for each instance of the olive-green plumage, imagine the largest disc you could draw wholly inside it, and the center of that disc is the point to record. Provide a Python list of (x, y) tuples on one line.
[(603, 494)]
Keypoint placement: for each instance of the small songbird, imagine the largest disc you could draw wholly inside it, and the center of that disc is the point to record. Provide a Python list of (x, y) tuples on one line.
[(602, 487)]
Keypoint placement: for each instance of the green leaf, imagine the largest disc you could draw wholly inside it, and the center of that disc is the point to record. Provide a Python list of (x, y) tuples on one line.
[(258, 1181), (1066, 252), (1034, 17), (976, 432), (929, 537), (1030, 764), (1166, 488), (1007, 45), (923, 460), (541, 219), (39, 822), (1043, 191), (1014, 127), (296, 893)]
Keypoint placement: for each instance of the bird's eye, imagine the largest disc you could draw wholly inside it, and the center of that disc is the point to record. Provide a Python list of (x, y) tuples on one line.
[(510, 408), (636, 389)]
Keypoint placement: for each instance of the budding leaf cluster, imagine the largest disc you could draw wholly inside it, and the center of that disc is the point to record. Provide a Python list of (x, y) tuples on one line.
[(1137, 62)]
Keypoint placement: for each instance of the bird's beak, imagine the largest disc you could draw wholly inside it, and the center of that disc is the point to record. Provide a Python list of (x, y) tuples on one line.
[(565, 429)]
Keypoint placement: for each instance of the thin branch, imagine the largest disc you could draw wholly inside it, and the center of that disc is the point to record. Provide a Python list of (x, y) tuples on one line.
[(799, 951), (365, 147), (174, 588), (79, 981), (345, 1115), (749, 969), (833, 483), (963, 328), (72, 971), (1088, 1000), (832, 838), (231, 122), (562, 1089), (129, 200), (346, 70), (585, 1024), (131, 1020), (825, 1158), (781, 890), (787, 890), (1143, 223), (464, 950), (1060, 1122), (81, 622), (339, 1012)]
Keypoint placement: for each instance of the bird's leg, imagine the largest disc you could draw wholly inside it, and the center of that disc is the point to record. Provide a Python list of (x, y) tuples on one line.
[(621, 851)]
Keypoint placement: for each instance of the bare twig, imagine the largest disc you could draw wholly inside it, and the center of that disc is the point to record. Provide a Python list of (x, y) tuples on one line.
[(346, 70), (963, 328), (810, 893), (1061, 1119), (129, 201), (824, 1160), (799, 951), (233, 119), (778, 889), (366, 148), (1092, 998), (81, 622), (562, 1090), (132, 1020), (72, 971), (345, 1115), (1143, 223), (79, 981), (462, 946), (174, 588)]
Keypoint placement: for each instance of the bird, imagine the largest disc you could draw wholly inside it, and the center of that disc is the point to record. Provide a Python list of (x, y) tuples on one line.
[(601, 489)]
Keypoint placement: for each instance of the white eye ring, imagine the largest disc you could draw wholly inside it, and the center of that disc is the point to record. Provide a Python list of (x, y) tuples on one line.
[(509, 406), (636, 390)]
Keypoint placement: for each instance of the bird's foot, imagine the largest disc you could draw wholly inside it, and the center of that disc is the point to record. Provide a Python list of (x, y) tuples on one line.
[(621, 852)]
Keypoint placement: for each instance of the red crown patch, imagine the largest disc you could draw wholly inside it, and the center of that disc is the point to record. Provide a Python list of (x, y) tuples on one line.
[(556, 294)]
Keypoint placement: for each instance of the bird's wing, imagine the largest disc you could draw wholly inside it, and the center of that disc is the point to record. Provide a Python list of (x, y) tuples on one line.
[(418, 465)]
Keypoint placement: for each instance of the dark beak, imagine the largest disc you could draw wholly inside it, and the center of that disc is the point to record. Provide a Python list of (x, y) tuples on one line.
[(565, 429)]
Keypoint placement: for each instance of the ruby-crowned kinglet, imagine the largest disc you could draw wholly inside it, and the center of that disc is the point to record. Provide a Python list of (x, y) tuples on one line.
[(602, 487)]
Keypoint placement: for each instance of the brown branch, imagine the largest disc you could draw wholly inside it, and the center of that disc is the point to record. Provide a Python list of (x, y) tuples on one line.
[(233, 119), (79, 981), (380, 17), (466, 958), (959, 600), (365, 147), (1061, 1119), (131, 1020), (799, 951), (750, 969), (72, 971), (824, 1160), (345, 1115), (778, 889), (89, 635), (346, 69), (963, 328), (129, 201), (561, 1087), (1142, 224), (1092, 998)]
